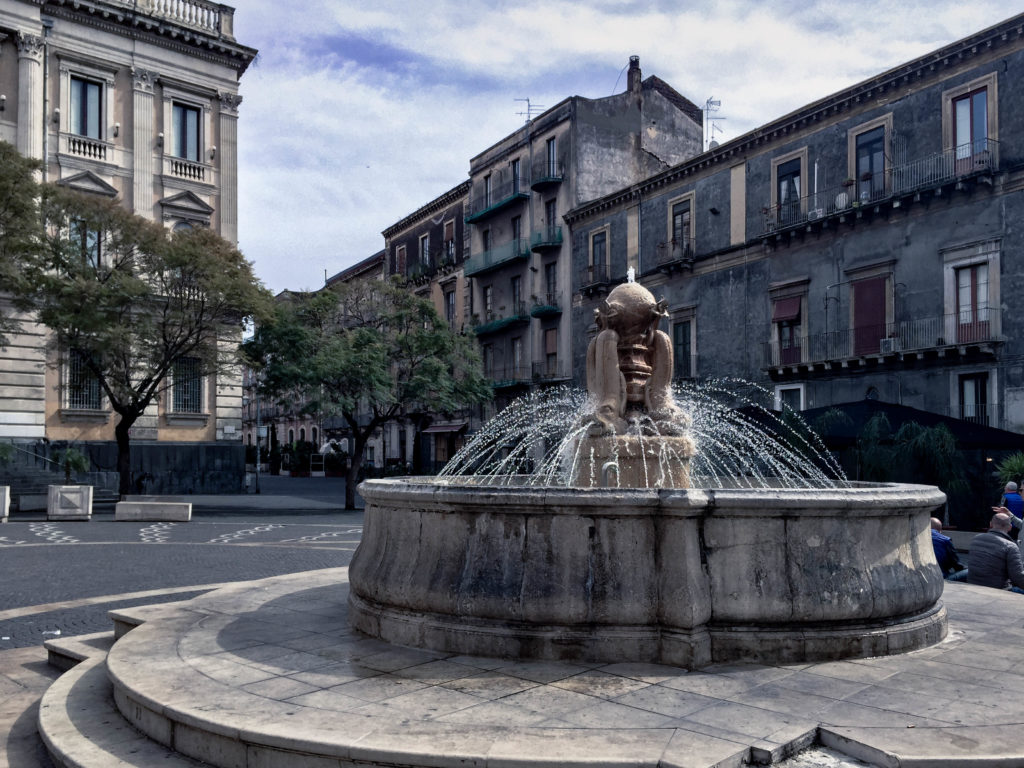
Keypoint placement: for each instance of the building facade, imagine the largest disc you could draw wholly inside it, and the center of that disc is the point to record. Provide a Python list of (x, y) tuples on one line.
[(428, 249), (520, 271), (866, 245), (138, 102)]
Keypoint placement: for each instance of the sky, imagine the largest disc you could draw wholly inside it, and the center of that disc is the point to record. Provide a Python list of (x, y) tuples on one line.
[(355, 114)]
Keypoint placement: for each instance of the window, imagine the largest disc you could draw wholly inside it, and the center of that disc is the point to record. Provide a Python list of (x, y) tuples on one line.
[(449, 241), (788, 329), (188, 386), (871, 164), (516, 176), (517, 230), (599, 256), (517, 357), (487, 354), (681, 246), (972, 303), (974, 397), (449, 308), (314, 438), (791, 397), (87, 242), (487, 191), (970, 123), (550, 219), (485, 238), (551, 282), (291, 436), (400, 260), (488, 301), (425, 250), (185, 132), (869, 314), (83, 388), (302, 434), (551, 351), (86, 102), (787, 190), (681, 350), (517, 296), (552, 169)]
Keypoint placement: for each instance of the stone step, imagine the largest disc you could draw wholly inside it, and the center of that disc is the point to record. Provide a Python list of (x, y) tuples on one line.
[(81, 727), (67, 652)]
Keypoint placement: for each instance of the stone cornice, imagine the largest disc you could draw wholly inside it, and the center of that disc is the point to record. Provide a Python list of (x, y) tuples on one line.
[(137, 25), (917, 73), (449, 198)]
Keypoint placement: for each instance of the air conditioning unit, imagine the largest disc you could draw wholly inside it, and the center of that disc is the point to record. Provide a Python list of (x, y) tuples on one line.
[(888, 346)]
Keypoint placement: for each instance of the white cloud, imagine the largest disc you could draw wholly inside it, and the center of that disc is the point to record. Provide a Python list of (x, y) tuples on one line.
[(355, 115)]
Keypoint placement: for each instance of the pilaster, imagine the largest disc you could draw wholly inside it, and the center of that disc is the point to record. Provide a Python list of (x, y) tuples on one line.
[(227, 159), (30, 95), (143, 142)]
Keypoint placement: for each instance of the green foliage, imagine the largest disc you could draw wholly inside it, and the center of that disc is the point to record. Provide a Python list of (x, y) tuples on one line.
[(1011, 468), (72, 461), (369, 352), (6, 451), (148, 300), (21, 229), (913, 454)]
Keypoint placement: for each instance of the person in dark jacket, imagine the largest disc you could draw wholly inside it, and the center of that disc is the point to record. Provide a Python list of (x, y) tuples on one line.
[(995, 559), (945, 554)]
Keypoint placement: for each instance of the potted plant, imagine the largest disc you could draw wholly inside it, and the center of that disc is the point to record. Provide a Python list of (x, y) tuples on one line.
[(70, 502)]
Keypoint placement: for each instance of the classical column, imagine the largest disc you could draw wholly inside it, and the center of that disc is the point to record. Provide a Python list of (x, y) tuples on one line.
[(227, 159), (31, 123), (143, 138)]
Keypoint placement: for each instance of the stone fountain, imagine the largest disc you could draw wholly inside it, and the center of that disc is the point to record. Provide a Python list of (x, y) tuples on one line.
[(628, 562)]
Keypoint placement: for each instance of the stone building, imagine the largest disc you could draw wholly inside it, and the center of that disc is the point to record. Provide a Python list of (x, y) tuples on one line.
[(428, 248), (520, 271), (138, 102), (866, 245)]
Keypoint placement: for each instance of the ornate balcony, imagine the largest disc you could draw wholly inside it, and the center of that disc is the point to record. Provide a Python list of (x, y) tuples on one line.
[(675, 255), (547, 175), (201, 15), (898, 182), (546, 239), (501, 196), (180, 168), (83, 146), (495, 321), (594, 277), (904, 340), (550, 372), (479, 263)]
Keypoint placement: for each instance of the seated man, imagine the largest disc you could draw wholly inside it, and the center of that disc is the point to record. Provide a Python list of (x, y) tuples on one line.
[(995, 559), (945, 554)]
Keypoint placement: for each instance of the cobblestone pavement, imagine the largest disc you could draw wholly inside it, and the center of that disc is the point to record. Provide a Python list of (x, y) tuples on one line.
[(64, 577)]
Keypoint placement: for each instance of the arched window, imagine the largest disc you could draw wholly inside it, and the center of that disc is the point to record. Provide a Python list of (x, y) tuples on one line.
[(315, 443), (248, 437), (291, 436), (302, 434)]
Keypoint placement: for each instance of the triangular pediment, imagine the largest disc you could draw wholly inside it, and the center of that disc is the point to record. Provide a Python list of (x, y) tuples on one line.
[(90, 183), (186, 204)]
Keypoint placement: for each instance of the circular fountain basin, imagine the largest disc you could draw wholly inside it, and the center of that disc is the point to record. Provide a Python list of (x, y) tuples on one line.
[(681, 577)]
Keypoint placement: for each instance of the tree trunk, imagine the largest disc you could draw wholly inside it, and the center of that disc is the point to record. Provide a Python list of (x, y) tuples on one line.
[(352, 478), (124, 455)]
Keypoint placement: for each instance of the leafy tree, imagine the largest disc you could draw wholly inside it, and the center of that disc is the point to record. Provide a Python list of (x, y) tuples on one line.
[(20, 228), (369, 352), (1011, 468), (129, 300)]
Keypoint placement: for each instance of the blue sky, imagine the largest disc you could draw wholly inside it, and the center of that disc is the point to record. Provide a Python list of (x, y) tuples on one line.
[(355, 114)]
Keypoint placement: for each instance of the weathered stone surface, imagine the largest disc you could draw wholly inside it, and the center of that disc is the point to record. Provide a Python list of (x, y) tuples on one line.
[(69, 502), (144, 511), (5, 502), (684, 577)]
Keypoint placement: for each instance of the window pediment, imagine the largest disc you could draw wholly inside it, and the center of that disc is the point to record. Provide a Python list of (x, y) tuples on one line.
[(89, 183)]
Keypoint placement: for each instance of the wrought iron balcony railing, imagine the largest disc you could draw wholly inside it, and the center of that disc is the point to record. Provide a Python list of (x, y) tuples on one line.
[(549, 237), (546, 305), (550, 370), (547, 174), (675, 252), (593, 276), (499, 196), (978, 157), (981, 326), (497, 320), (496, 257)]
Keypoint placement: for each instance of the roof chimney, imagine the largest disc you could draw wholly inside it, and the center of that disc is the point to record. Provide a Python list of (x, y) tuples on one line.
[(633, 76)]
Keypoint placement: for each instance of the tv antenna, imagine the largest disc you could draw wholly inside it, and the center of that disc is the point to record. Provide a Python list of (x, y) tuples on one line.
[(711, 125), (531, 109)]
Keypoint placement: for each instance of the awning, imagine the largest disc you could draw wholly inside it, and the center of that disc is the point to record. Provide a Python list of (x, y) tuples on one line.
[(452, 426), (786, 309)]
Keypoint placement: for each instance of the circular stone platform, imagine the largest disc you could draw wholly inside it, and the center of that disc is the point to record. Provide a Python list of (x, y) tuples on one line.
[(269, 673)]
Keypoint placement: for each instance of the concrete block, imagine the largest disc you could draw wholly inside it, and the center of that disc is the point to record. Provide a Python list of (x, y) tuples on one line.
[(5, 502), (144, 511), (69, 502), (32, 502)]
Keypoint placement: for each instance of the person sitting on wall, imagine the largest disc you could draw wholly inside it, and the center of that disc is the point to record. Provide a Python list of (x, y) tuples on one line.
[(945, 554), (995, 559)]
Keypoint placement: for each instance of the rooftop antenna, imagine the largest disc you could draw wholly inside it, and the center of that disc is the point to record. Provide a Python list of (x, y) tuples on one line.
[(711, 123), (531, 109)]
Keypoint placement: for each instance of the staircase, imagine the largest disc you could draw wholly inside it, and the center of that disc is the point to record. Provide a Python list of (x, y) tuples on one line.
[(29, 475)]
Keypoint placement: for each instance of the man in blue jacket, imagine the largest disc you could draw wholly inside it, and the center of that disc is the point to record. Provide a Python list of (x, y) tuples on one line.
[(1012, 500), (945, 554)]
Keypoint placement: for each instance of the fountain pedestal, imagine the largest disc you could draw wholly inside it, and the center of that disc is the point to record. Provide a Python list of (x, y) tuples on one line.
[(633, 461)]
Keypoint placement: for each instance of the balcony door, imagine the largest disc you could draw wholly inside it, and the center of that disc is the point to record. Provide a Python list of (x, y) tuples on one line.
[(970, 129), (868, 315), (972, 303)]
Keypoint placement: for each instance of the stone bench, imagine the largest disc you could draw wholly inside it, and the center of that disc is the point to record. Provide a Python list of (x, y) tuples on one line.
[(151, 511), (69, 502)]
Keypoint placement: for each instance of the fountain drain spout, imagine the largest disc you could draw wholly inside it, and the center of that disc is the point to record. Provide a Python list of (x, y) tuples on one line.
[(606, 468)]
